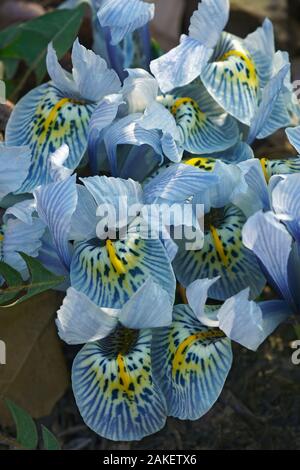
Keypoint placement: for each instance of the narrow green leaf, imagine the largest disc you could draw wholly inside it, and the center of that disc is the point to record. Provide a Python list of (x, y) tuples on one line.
[(29, 41), (17, 290), (27, 434), (50, 441)]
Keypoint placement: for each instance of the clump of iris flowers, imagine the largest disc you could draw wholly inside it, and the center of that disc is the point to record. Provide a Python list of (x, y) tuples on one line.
[(156, 319)]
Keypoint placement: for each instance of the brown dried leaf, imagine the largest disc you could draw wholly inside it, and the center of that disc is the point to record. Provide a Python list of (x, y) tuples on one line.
[(35, 375)]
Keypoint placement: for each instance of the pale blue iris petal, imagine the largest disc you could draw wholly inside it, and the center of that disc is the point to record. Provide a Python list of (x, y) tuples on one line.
[(86, 67), (45, 120), (62, 79), (128, 131), (278, 119), (19, 236), (274, 312), (124, 17), (102, 117), (14, 166), (156, 116), (115, 391), (138, 312), (197, 294), (81, 321), (56, 204), (236, 154), (208, 21), (249, 323), (256, 196), (181, 65), (140, 89), (108, 190), (23, 211), (177, 183), (59, 172), (271, 243), (49, 258), (241, 320), (171, 149), (293, 134), (286, 203), (260, 124), (191, 363), (262, 39), (84, 219)]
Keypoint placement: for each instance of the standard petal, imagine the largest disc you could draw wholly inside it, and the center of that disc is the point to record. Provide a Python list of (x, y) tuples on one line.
[(224, 255), (80, 321), (103, 116), (293, 134), (114, 387), (176, 183), (249, 323), (208, 21), (286, 203), (197, 294), (191, 363), (56, 204), (271, 243), (136, 313), (14, 166), (86, 66), (140, 89), (17, 236), (124, 18), (128, 131), (181, 65), (263, 123)]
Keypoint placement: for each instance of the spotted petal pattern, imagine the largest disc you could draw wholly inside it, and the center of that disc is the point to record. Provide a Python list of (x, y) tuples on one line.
[(232, 78), (224, 255), (111, 274), (191, 363), (44, 120), (114, 387), (201, 128)]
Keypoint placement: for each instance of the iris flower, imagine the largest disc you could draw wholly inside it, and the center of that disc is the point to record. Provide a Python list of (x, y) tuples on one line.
[(223, 254), (192, 357), (234, 71), (189, 119), (20, 230), (58, 113), (277, 231)]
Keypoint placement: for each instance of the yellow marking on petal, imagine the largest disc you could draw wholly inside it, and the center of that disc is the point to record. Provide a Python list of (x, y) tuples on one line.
[(264, 163), (179, 358), (201, 162), (123, 374), (183, 101), (219, 245), (115, 261), (1, 237), (54, 114), (241, 55)]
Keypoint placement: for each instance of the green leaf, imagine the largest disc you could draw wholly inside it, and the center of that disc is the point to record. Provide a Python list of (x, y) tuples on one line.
[(27, 434), (50, 441), (29, 41), (16, 290)]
